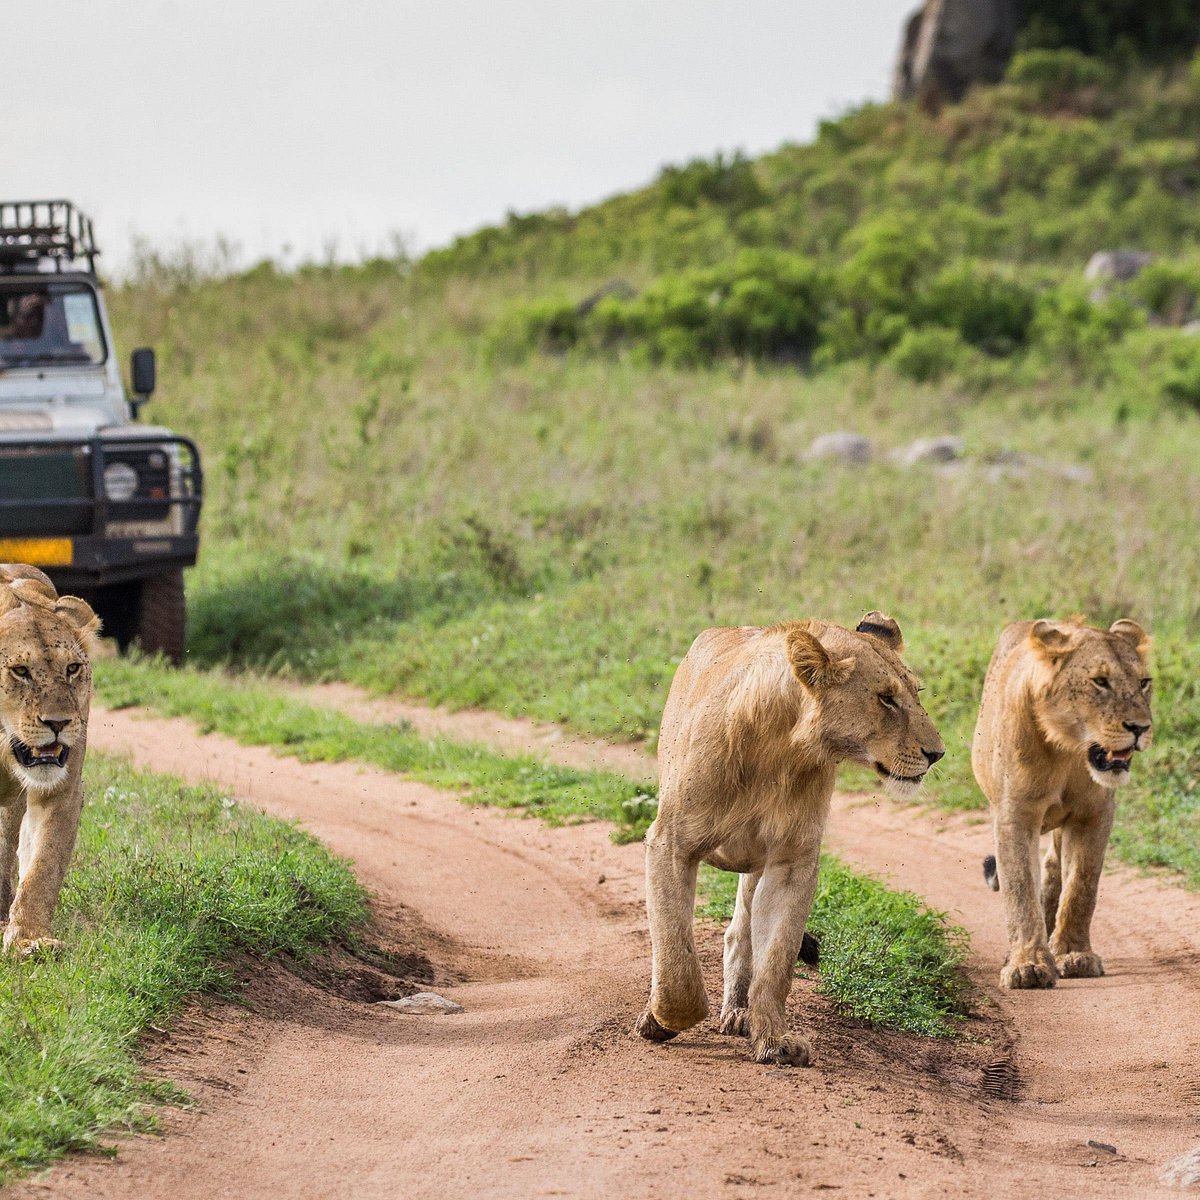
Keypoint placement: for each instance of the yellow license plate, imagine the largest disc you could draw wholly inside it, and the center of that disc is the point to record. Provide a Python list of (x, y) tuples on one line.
[(38, 552)]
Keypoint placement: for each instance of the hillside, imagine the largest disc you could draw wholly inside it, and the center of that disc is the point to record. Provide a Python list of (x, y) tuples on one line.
[(448, 478)]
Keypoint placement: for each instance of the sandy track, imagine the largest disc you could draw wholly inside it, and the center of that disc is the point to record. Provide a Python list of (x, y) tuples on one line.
[(538, 1089)]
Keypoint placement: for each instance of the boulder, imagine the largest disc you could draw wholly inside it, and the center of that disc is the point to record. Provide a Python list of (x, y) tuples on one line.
[(948, 45), (937, 450), (422, 1004), (1116, 266), (844, 447)]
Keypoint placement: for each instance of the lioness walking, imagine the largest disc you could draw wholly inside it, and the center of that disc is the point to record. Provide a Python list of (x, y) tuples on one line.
[(45, 693), (755, 725), (1065, 708)]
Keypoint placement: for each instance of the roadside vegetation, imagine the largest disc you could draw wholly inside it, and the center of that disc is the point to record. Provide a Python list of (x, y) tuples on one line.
[(524, 471), (169, 885), (885, 957)]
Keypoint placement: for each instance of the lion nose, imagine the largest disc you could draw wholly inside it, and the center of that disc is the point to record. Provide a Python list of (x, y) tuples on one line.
[(55, 724), (933, 755), (1136, 730)]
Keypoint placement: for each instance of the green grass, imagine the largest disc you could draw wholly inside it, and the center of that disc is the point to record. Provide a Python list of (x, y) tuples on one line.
[(886, 957), (168, 884), (258, 715)]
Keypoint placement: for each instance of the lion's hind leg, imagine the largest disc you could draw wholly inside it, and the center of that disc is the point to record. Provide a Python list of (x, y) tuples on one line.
[(677, 996), (11, 816), (739, 960)]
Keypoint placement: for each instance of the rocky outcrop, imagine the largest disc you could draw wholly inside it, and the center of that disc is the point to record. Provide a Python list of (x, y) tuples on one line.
[(950, 44)]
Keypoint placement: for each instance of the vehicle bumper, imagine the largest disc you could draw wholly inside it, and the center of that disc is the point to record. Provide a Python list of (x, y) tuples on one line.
[(83, 563)]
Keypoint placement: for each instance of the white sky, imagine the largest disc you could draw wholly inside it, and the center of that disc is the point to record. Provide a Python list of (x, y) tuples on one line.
[(303, 124)]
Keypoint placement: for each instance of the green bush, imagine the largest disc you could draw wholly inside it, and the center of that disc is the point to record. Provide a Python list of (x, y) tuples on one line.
[(988, 308), (728, 182), (1168, 290), (1070, 328), (926, 355), (1115, 29), (1182, 380), (1051, 75)]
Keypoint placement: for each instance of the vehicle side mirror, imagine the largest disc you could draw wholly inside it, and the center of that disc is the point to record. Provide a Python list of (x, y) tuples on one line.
[(142, 376)]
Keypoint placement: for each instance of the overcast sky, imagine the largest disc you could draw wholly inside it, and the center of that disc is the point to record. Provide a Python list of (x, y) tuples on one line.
[(293, 123)]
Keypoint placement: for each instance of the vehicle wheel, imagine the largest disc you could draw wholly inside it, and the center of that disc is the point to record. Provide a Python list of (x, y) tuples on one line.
[(160, 616), (116, 606)]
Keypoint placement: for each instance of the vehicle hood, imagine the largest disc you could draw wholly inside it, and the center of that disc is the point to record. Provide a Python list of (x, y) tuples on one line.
[(20, 422)]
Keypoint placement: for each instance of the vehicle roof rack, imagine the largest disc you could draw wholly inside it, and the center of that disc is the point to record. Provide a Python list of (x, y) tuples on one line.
[(45, 234)]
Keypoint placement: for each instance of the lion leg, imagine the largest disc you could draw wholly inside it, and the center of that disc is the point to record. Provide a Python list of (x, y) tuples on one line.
[(782, 901), (11, 816), (677, 996), (1052, 881), (1083, 846), (1030, 963), (46, 846), (739, 960)]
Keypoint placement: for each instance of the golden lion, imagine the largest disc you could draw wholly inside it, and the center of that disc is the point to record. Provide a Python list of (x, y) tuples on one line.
[(755, 725), (1064, 709), (45, 690)]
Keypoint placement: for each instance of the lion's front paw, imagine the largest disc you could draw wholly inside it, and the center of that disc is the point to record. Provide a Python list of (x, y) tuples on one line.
[(788, 1050), (735, 1022), (651, 1030), (1030, 971), (44, 947), (1080, 964)]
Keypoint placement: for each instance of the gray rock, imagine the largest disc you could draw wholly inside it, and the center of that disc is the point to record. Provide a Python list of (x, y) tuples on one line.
[(937, 450), (1184, 1171), (1190, 327), (1012, 464), (1116, 265), (422, 1003), (948, 45), (845, 447)]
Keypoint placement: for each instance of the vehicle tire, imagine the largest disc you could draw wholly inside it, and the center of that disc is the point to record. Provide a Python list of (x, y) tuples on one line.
[(160, 616)]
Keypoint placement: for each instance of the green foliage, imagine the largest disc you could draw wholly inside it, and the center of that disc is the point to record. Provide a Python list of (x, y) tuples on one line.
[(1052, 76), (1119, 29), (886, 957), (730, 183), (1168, 289), (927, 355), (168, 884), (1182, 380)]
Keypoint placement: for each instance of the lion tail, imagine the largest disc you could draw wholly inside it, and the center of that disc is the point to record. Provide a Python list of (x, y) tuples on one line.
[(990, 876)]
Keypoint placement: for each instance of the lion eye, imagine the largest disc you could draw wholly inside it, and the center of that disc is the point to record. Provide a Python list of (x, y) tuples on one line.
[(1145, 684), (74, 669), (1101, 681), (21, 672), (888, 700)]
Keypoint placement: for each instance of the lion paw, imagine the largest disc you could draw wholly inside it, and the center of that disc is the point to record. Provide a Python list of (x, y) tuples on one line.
[(44, 947), (735, 1022), (1080, 964), (790, 1050), (1038, 971), (651, 1030)]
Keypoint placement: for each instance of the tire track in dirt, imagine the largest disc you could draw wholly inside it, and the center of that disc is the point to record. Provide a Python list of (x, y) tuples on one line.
[(538, 1088)]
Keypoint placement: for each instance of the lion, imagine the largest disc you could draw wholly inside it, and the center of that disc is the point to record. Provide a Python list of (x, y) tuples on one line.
[(45, 692), (755, 725), (1065, 707)]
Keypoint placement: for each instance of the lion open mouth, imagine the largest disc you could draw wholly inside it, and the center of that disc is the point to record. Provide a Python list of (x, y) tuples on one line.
[(884, 773), (54, 755), (1109, 760)]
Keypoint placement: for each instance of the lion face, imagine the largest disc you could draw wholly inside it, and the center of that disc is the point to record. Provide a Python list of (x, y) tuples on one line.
[(45, 680), (867, 708), (1096, 700)]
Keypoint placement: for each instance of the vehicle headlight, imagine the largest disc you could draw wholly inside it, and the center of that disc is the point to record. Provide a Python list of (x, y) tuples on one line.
[(120, 482)]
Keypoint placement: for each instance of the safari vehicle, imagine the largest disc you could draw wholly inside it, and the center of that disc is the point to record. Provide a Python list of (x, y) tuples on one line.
[(107, 507)]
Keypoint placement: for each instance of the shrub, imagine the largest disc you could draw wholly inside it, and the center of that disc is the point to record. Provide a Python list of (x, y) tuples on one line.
[(1182, 382), (1069, 327), (1168, 290), (1052, 75), (989, 309), (730, 183), (926, 355)]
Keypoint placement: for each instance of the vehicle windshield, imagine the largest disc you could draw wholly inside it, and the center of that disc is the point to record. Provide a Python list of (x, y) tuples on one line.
[(49, 322)]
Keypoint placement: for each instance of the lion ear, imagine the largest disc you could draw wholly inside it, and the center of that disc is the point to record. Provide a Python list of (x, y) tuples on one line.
[(1051, 638), (78, 614), (811, 663), (31, 590), (879, 625), (1133, 633)]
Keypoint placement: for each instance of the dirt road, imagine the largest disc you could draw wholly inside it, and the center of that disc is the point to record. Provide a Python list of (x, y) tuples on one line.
[(539, 1089)]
